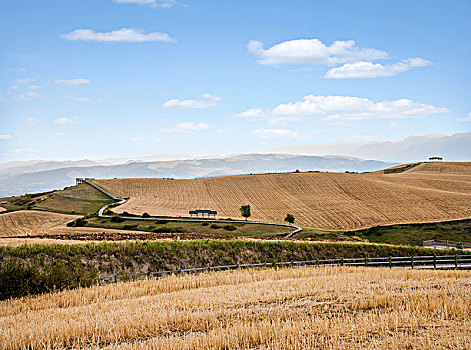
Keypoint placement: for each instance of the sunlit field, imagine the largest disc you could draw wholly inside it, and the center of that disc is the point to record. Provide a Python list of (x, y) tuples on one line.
[(327, 308)]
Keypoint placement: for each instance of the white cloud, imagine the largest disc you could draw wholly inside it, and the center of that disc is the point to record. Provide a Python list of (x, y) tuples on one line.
[(341, 108), (77, 99), (60, 133), (21, 69), (24, 150), (186, 127), (353, 62), (120, 35), (72, 82), (374, 70), (206, 101), (274, 133), (6, 137), (32, 121), (24, 81), (33, 87), (313, 51), (26, 96), (137, 138), (65, 120), (152, 3), (465, 119)]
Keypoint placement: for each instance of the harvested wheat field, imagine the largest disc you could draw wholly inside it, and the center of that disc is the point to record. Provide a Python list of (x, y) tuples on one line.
[(426, 193), (304, 308), (41, 223)]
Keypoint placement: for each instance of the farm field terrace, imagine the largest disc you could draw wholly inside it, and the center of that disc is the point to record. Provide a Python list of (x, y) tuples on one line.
[(331, 307), (330, 201)]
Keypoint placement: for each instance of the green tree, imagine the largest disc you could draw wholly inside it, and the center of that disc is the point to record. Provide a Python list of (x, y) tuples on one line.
[(245, 211), (289, 218)]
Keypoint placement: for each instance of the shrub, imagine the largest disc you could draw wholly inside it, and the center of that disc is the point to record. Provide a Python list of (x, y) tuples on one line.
[(204, 224), (145, 215), (215, 226), (230, 227), (77, 223), (129, 227), (117, 219), (168, 230)]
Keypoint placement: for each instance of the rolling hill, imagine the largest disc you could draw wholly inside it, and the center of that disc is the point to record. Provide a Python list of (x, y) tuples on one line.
[(335, 201)]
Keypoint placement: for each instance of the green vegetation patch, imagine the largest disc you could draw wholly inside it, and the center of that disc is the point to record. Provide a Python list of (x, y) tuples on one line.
[(415, 234), (199, 228), (32, 269), (81, 199)]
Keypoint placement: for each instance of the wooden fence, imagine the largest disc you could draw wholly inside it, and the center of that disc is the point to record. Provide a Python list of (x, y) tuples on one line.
[(413, 262), (444, 244)]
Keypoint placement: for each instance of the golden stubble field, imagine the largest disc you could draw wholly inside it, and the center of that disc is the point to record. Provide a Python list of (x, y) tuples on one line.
[(429, 192), (303, 308), (23, 223)]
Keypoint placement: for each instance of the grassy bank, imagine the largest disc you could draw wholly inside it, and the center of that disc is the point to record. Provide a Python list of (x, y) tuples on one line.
[(42, 268), (415, 234), (81, 199), (199, 228), (404, 234)]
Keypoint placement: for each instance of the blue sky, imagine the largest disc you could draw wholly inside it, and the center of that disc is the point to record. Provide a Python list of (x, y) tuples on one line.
[(122, 78)]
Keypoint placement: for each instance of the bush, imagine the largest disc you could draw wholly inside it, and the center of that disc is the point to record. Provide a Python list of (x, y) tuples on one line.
[(204, 224), (230, 227), (215, 226), (117, 219), (145, 215), (168, 230), (77, 223), (18, 279), (129, 227)]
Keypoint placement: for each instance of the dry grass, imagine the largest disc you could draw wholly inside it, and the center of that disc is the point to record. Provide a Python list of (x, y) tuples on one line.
[(33, 223), (30, 222), (2, 209), (305, 308), (426, 193)]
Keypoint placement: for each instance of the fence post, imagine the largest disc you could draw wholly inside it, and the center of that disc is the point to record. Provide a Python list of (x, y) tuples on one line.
[(456, 261), (366, 261), (435, 262), (341, 262), (412, 261), (390, 262), (115, 278)]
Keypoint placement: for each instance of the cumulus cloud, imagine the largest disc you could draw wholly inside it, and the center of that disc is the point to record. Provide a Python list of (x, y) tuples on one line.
[(152, 3), (71, 82), (352, 61), (137, 138), (6, 137), (465, 119), (342, 108), (274, 133), (77, 99), (24, 81), (32, 121), (313, 51), (185, 128), (120, 35), (65, 120), (374, 70), (206, 101), (28, 95)]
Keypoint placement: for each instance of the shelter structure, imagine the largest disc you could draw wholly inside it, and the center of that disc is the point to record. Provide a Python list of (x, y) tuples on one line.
[(202, 212), (80, 180), (435, 159)]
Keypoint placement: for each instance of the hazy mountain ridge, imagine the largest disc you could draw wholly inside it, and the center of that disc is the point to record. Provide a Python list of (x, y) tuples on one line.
[(456, 147), (19, 183)]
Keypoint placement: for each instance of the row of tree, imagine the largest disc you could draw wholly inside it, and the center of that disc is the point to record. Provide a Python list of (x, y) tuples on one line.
[(245, 212)]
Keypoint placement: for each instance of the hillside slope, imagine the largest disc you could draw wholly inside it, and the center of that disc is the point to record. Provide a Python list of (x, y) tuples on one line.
[(428, 192)]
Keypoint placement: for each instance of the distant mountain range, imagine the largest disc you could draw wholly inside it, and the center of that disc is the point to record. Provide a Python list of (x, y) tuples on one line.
[(34, 176), (37, 176), (456, 147)]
